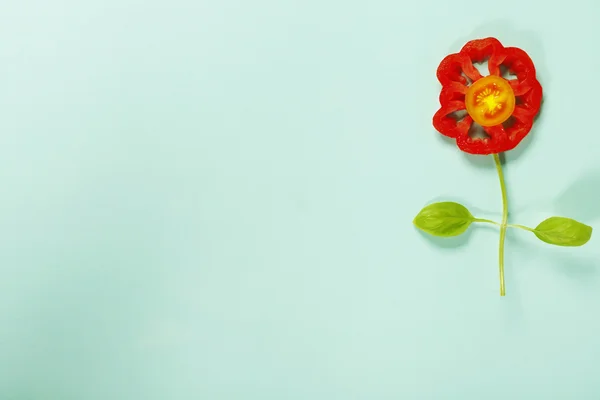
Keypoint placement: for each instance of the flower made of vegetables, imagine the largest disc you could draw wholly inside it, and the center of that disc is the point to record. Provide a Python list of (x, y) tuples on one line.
[(504, 108)]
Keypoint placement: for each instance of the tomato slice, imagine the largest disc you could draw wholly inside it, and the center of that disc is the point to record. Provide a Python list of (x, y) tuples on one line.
[(490, 100)]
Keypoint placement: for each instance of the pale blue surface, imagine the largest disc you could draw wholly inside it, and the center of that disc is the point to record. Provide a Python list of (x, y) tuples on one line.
[(213, 200)]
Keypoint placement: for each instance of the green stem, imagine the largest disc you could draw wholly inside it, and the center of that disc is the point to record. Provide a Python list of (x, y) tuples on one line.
[(486, 221), (503, 225), (520, 227), (517, 226)]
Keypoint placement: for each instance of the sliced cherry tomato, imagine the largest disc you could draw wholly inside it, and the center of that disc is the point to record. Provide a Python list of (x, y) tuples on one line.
[(490, 100)]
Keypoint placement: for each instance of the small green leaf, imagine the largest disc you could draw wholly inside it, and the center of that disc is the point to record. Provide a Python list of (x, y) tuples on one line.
[(562, 231), (444, 219)]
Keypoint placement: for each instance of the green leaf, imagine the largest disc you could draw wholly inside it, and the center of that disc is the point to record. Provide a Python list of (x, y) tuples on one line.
[(562, 231), (444, 219)]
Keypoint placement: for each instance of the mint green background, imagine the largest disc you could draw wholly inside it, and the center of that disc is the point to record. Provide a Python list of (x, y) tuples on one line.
[(213, 200)]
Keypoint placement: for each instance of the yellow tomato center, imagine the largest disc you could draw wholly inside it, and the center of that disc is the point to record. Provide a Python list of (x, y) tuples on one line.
[(490, 100)]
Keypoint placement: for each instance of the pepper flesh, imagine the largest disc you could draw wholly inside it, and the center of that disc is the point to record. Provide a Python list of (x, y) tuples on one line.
[(457, 74)]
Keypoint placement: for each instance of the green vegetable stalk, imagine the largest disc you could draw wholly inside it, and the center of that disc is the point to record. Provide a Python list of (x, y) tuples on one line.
[(447, 219)]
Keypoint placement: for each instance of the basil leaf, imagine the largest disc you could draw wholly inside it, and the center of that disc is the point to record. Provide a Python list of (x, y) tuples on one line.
[(444, 219), (562, 231)]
